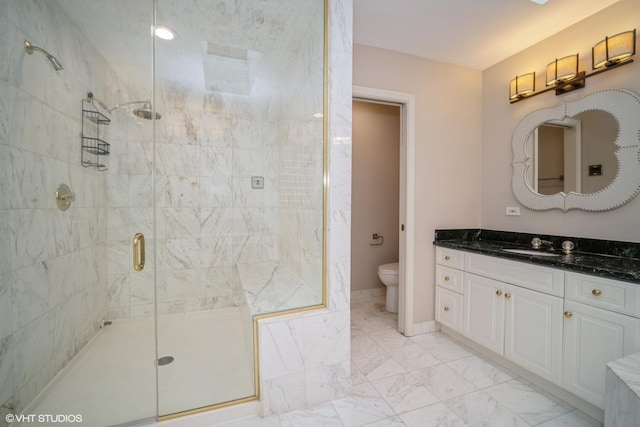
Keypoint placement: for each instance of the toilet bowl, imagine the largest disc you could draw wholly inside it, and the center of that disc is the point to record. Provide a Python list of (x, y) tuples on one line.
[(388, 274)]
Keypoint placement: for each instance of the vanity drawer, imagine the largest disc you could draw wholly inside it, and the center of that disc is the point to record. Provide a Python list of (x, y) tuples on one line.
[(449, 308), (450, 258), (449, 278), (543, 279), (609, 294)]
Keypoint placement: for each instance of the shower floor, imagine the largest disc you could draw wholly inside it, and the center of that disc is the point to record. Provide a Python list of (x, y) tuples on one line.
[(113, 380)]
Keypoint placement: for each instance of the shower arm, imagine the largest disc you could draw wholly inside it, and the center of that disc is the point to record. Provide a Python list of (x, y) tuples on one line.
[(115, 107), (91, 96), (52, 59)]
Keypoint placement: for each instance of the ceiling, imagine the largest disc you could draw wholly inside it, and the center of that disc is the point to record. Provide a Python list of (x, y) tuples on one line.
[(471, 33)]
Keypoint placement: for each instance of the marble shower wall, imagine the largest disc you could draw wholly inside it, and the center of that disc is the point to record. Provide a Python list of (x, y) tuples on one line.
[(221, 243), (52, 272)]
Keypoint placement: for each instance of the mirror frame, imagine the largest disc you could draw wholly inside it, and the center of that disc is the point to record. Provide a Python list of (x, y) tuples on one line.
[(624, 106)]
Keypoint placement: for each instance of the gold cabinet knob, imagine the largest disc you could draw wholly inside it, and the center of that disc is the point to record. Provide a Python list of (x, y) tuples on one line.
[(447, 257), (498, 292), (507, 296), (446, 308), (568, 314), (446, 278), (596, 292)]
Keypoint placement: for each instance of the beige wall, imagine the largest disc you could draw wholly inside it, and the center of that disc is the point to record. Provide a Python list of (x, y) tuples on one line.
[(375, 189), (448, 101), (500, 119)]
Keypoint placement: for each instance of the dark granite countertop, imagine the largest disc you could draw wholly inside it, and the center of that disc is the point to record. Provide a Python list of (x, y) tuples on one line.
[(604, 258)]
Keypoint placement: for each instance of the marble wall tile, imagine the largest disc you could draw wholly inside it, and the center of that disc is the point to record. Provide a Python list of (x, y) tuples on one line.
[(283, 394), (327, 383), (7, 388), (6, 305), (281, 348), (326, 339), (30, 294), (32, 349)]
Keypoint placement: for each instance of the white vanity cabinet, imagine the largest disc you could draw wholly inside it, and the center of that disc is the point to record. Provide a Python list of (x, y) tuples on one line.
[(601, 325), (449, 287), (562, 326), (512, 319)]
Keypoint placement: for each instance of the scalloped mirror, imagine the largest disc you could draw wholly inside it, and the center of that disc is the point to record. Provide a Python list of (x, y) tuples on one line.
[(581, 154)]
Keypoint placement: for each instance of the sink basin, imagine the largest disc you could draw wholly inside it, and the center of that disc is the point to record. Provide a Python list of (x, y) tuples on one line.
[(530, 252)]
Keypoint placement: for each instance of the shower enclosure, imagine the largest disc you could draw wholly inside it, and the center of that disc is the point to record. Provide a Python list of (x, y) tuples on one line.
[(208, 147)]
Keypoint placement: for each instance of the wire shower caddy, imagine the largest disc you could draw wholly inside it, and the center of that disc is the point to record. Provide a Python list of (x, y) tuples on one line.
[(93, 147)]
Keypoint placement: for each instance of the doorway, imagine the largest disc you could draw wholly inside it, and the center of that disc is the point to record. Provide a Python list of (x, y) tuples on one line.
[(406, 103)]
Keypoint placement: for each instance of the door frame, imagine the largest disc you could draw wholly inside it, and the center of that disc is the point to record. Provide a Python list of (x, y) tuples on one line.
[(407, 199)]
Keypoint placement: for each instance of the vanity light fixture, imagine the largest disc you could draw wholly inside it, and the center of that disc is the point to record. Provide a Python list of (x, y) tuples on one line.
[(563, 74), (522, 86), (614, 50)]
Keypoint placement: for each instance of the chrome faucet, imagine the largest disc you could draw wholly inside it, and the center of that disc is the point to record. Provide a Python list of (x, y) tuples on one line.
[(537, 243)]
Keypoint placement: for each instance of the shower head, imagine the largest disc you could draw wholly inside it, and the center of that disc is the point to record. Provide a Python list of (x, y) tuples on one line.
[(52, 59), (146, 112)]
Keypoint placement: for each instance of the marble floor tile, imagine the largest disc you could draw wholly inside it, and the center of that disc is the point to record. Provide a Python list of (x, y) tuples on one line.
[(271, 421), (574, 418), (480, 409), (480, 372), (376, 363), (443, 381), (437, 415), (531, 405), (324, 415), (363, 406), (442, 347), (388, 422), (404, 393), (409, 354)]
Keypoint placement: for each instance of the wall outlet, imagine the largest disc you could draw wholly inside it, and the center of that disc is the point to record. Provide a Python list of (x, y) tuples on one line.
[(257, 182), (512, 211)]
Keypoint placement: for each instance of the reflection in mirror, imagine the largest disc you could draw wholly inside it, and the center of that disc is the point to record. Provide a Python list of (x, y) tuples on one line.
[(574, 154)]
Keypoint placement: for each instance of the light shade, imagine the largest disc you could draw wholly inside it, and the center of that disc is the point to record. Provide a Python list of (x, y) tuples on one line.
[(614, 49), (562, 69), (522, 86)]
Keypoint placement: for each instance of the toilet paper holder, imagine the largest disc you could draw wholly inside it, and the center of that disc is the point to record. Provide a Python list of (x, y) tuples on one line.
[(377, 239)]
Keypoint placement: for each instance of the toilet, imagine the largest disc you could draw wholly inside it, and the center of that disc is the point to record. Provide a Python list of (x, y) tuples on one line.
[(388, 274)]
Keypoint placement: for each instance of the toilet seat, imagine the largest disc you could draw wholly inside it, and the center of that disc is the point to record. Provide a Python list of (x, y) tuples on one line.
[(391, 268)]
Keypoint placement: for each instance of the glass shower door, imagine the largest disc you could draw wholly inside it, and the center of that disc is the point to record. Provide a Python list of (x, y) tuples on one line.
[(239, 175)]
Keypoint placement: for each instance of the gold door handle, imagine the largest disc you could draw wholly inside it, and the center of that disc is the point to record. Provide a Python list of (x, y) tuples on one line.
[(446, 308), (498, 292), (446, 278), (507, 296), (568, 314), (138, 252), (596, 292)]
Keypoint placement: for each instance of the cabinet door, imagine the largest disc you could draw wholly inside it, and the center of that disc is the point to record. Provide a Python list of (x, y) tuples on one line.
[(483, 320), (449, 308), (592, 338), (533, 332)]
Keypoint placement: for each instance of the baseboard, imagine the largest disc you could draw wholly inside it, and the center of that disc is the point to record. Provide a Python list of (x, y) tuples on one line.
[(368, 293)]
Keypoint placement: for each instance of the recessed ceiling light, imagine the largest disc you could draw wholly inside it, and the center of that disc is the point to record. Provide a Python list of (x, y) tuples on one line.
[(164, 32), (540, 1)]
